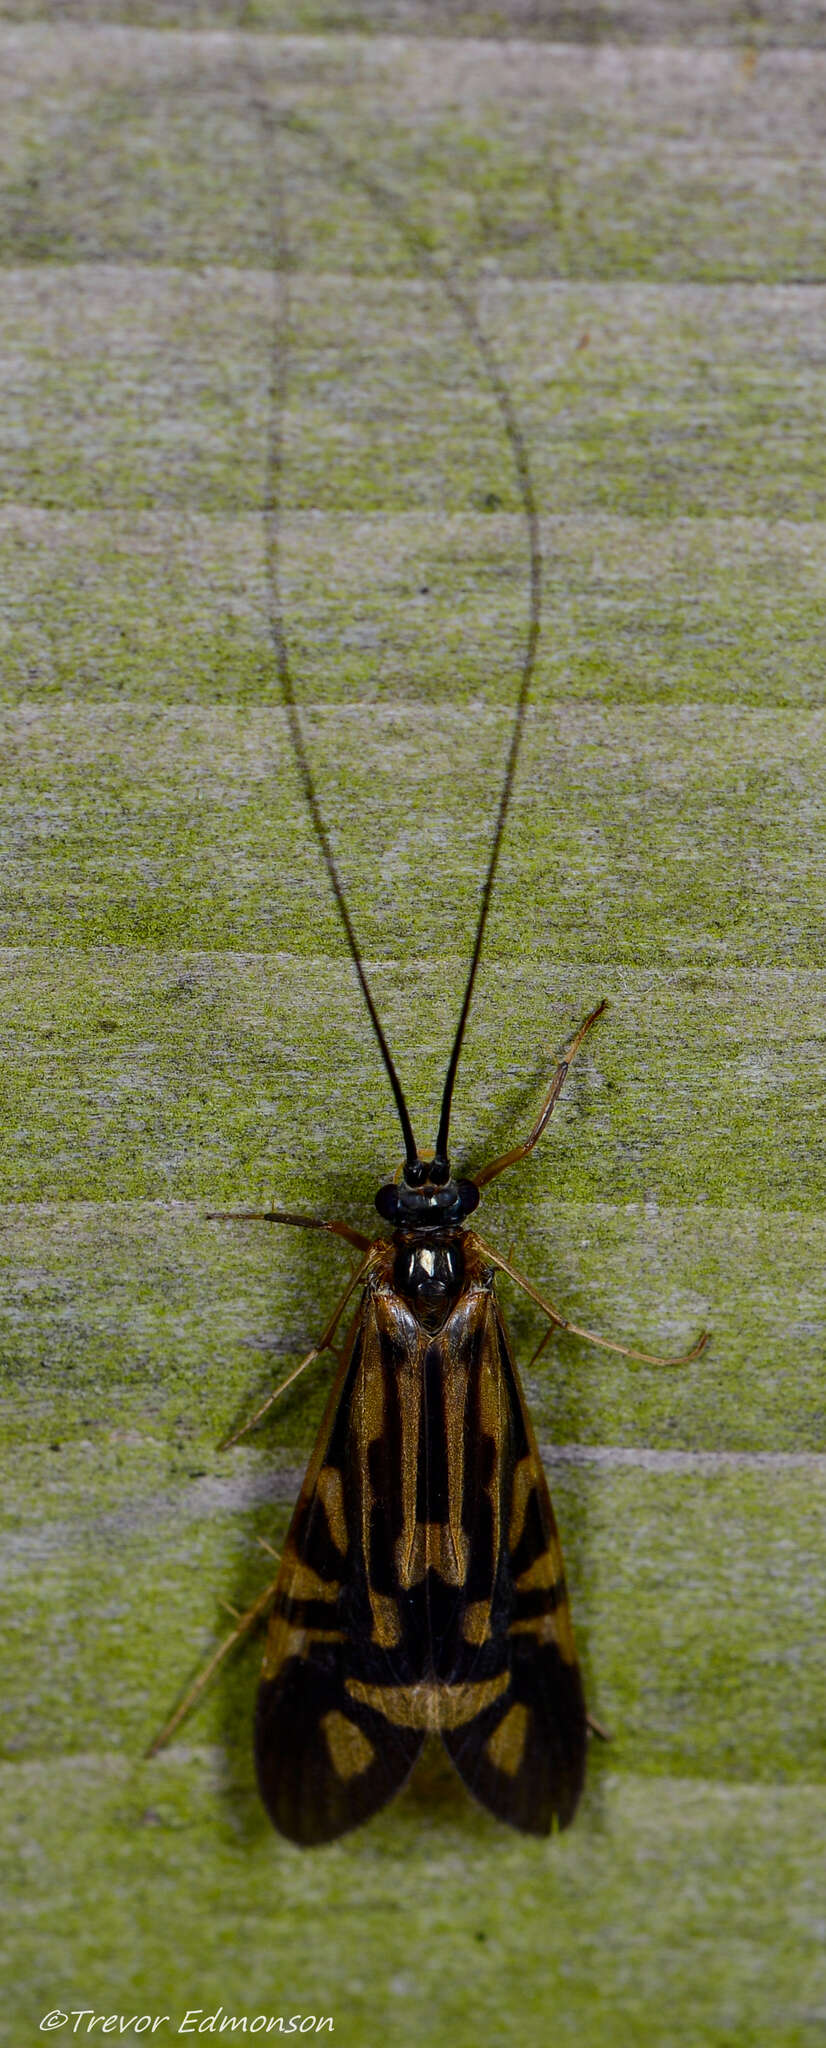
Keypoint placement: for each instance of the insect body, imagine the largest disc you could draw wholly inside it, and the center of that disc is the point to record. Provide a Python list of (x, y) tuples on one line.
[(421, 1588)]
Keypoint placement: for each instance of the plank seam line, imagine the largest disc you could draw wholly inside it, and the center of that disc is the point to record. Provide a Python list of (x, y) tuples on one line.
[(408, 283), (194, 1207), (312, 519), (655, 972), (638, 1458), (241, 1492)]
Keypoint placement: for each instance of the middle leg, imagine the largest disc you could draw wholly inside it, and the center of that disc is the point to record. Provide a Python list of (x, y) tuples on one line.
[(575, 1329)]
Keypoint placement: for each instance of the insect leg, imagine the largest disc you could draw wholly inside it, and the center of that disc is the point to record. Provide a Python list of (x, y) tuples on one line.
[(496, 1166), (244, 1622), (337, 1228), (590, 1336), (315, 1352)]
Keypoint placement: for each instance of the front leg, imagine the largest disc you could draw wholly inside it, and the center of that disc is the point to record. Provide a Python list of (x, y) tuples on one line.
[(496, 1166)]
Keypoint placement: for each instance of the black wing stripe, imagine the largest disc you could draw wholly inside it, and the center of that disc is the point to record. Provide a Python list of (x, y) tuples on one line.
[(523, 1756), (327, 1753)]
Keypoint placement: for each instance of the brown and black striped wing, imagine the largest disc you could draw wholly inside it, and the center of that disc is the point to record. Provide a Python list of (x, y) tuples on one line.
[(422, 1588), (523, 1753), (328, 1755)]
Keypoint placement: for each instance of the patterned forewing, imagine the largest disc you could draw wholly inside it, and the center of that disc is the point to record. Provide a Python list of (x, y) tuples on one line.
[(522, 1753), (328, 1750)]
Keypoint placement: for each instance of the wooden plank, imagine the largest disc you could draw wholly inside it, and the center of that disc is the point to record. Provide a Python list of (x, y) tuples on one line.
[(795, 23), (180, 1027), (137, 1319), (656, 1905), (655, 839), (668, 163), (112, 1521), (130, 1065), (150, 390), (693, 610)]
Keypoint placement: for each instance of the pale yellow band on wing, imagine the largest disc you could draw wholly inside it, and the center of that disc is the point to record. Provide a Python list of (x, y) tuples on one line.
[(429, 1706)]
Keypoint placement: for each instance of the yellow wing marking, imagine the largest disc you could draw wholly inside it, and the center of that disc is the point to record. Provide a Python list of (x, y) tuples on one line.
[(330, 1492), (547, 1572), (350, 1750), (287, 1639), (548, 1628), (506, 1746), (437, 1546), (442, 1547), (307, 1584), (524, 1481), (387, 1628), (476, 1622), (429, 1706)]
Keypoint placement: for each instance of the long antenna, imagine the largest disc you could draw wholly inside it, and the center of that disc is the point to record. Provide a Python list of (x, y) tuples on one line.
[(386, 203), (520, 455), (278, 388)]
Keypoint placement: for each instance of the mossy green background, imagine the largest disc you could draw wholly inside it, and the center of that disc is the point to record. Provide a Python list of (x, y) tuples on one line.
[(634, 197)]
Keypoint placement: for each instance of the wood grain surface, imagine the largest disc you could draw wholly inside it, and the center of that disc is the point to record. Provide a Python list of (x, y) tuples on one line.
[(633, 198)]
